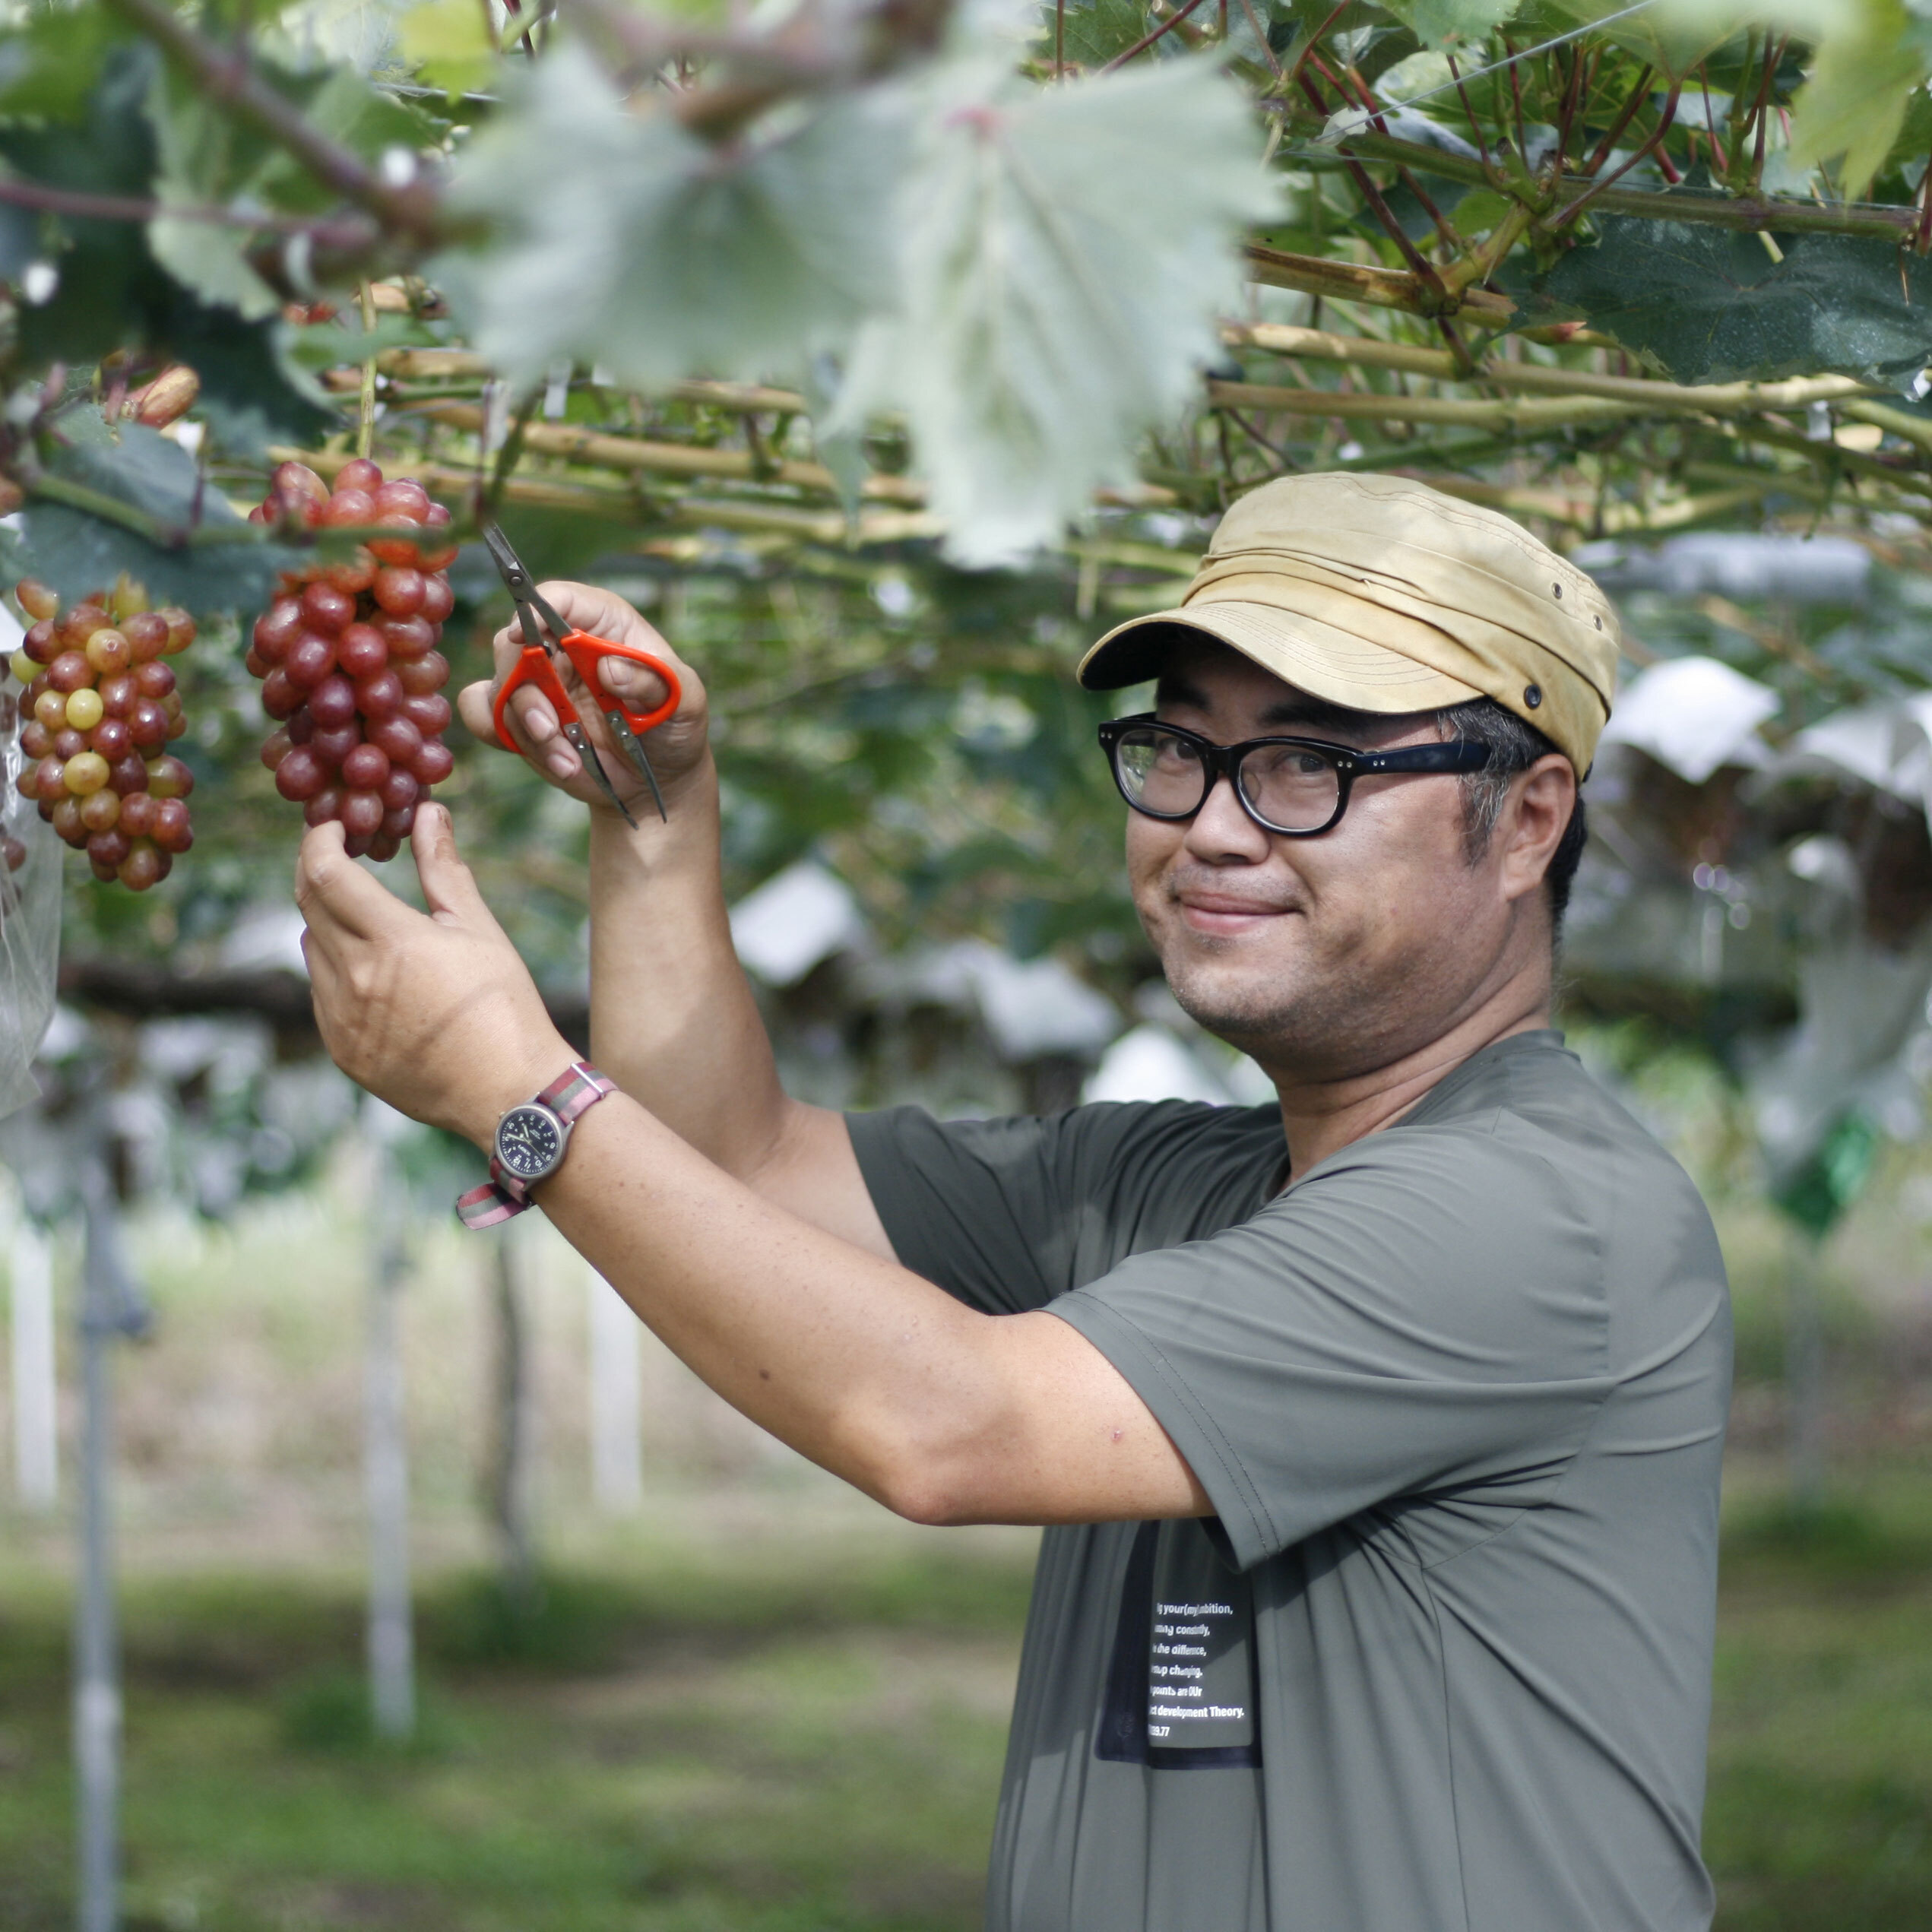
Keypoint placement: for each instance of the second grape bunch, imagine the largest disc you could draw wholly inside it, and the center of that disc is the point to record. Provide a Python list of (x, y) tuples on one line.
[(348, 659)]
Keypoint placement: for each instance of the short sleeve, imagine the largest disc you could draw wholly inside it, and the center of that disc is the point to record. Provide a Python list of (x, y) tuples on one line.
[(1424, 1312), (1006, 1214)]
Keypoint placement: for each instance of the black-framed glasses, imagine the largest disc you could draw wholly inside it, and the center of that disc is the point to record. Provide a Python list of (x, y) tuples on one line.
[(1296, 787)]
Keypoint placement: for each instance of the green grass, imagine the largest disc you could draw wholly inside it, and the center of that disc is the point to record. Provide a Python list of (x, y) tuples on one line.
[(685, 1745)]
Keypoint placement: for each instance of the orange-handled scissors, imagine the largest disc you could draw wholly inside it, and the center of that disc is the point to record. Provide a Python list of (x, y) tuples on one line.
[(585, 653)]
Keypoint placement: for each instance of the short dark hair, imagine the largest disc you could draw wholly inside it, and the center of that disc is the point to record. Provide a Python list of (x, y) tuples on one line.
[(1514, 746)]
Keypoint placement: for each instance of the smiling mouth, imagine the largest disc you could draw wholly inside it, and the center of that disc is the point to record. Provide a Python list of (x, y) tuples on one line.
[(1214, 912)]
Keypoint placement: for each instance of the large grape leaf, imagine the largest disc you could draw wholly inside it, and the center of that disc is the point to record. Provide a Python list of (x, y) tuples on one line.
[(624, 241), (1853, 102), (1713, 306), (1095, 32), (1066, 251), (76, 552)]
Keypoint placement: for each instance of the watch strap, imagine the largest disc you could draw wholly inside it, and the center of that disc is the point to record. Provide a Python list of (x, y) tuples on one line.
[(578, 1089)]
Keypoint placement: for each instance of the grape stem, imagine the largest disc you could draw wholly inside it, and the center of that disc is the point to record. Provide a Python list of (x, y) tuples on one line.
[(224, 76), (366, 420)]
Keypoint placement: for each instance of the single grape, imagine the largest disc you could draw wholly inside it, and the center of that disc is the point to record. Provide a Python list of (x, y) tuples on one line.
[(41, 643), (278, 627), (359, 473), (296, 483), (332, 702), (407, 637), (280, 699), (327, 610), (362, 650), (181, 628), (138, 811), (109, 650), (167, 777), (13, 851), (67, 820), (100, 810), (255, 663), (323, 806), (177, 724), (403, 498), (69, 671), (118, 695), (438, 600), (400, 820), (433, 763), (87, 773), (358, 847), (400, 551), (348, 509), (399, 789), (49, 780), (85, 709), (143, 867), (70, 743), (364, 768), (172, 831), (335, 744), (107, 847), (384, 847), (423, 675), (128, 775), (310, 659), (398, 737), (36, 741), (147, 724), (429, 713), (36, 599), (154, 680), (302, 727), (351, 574), (111, 738), (274, 748), (299, 777), (50, 709), (362, 814), (400, 591), (380, 696)]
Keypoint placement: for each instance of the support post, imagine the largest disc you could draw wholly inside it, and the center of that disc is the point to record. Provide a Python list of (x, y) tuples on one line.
[(511, 1483), (616, 1398), (111, 1306), (385, 1459), (36, 1480)]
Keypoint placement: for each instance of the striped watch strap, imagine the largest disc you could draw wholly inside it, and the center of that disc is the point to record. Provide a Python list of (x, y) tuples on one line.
[(579, 1087)]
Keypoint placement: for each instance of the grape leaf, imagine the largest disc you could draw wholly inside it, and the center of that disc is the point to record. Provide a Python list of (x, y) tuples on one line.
[(1452, 23), (625, 242), (1066, 252), (448, 44), (1863, 77), (1096, 31), (1712, 306), (77, 552)]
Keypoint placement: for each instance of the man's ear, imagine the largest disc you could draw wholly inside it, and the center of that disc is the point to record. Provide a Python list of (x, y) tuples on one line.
[(1532, 823)]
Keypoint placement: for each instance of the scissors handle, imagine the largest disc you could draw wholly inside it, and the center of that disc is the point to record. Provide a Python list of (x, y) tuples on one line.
[(585, 651), (533, 667)]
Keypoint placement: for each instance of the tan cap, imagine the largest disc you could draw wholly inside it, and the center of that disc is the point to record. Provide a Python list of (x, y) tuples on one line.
[(1384, 595)]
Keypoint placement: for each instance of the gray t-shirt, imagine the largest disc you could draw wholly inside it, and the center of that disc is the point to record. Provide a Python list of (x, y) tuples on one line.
[(1443, 1658)]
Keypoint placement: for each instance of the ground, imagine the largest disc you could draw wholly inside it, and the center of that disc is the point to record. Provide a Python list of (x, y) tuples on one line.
[(798, 1729)]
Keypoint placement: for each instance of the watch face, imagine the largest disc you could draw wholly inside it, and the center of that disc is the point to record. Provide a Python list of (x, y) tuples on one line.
[(529, 1141)]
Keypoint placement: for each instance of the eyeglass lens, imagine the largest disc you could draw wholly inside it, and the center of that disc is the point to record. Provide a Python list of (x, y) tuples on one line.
[(1292, 788)]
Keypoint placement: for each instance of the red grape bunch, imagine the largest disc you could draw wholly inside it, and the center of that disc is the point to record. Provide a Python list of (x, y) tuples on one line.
[(100, 706), (348, 660)]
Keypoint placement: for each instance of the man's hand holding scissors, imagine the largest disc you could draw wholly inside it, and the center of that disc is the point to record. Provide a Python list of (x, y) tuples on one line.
[(677, 747)]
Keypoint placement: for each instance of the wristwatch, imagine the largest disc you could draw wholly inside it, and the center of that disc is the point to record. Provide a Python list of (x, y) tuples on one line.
[(531, 1140)]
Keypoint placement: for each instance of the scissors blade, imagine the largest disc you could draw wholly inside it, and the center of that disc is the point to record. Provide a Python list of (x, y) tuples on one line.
[(594, 765), (628, 744), (522, 593)]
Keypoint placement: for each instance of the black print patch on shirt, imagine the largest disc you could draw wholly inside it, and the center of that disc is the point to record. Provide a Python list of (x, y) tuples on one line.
[(1180, 1686)]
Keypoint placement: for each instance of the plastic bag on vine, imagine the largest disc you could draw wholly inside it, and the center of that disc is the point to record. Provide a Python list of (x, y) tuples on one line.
[(30, 922)]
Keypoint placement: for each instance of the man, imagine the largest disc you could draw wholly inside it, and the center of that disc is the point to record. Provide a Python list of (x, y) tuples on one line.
[(1377, 1435)]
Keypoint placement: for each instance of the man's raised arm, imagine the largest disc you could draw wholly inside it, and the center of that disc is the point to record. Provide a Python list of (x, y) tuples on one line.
[(673, 1018)]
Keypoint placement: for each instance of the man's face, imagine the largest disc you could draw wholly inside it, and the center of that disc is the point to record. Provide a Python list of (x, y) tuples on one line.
[(1324, 957)]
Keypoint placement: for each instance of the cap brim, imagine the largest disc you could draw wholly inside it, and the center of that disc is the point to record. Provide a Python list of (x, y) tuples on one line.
[(1331, 664)]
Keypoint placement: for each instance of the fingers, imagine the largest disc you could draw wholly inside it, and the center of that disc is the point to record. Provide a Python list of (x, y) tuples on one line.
[(449, 887), (335, 897)]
